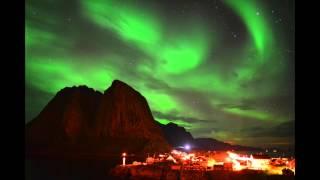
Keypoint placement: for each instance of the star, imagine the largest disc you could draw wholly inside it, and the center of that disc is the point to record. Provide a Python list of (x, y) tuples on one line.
[(181, 65), (234, 35), (289, 51), (278, 20)]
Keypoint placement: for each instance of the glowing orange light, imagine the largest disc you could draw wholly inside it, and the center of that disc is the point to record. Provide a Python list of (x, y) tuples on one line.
[(238, 162), (211, 162)]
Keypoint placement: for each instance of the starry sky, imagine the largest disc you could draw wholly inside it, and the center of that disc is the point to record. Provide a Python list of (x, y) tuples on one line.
[(223, 69)]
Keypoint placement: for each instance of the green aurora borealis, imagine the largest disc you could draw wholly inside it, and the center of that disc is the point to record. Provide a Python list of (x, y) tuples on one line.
[(222, 69)]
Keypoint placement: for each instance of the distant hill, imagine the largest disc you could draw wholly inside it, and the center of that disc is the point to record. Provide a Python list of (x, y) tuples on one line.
[(177, 136)]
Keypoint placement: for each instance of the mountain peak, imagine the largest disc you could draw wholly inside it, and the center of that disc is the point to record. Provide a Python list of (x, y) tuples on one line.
[(119, 84), (80, 88), (117, 81)]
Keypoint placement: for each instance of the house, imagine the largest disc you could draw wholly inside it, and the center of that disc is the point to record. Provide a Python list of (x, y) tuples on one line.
[(259, 161)]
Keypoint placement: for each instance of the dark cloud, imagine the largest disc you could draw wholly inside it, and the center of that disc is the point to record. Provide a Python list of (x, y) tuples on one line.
[(283, 130), (191, 99), (279, 104), (204, 131), (175, 117), (238, 106), (156, 84), (90, 39)]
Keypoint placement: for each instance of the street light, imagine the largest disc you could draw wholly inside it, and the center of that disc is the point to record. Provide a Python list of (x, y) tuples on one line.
[(124, 158)]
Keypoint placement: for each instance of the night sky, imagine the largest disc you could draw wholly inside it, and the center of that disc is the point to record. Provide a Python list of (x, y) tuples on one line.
[(221, 68)]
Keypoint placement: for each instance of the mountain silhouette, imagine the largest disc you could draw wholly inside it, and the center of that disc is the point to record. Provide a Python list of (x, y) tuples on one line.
[(178, 137), (82, 120)]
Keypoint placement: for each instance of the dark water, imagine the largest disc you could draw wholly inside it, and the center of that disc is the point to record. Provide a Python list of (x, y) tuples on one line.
[(73, 169), (68, 169)]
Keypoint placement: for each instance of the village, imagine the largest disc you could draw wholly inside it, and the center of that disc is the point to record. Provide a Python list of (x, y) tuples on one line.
[(204, 161)]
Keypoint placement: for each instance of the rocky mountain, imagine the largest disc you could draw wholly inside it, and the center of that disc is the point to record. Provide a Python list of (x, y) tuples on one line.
[(83, 120)]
